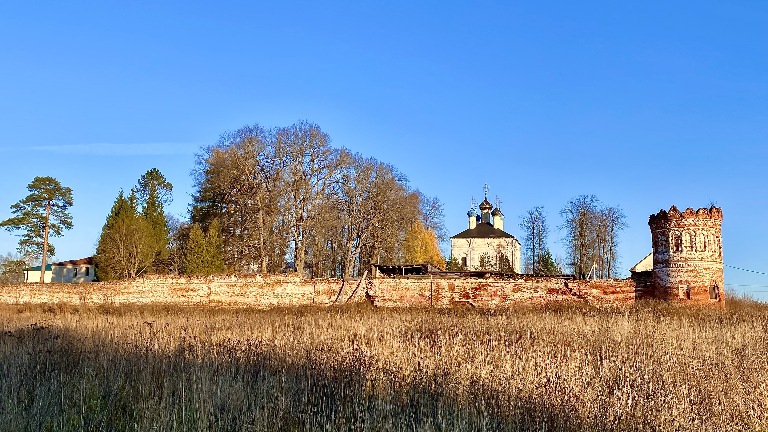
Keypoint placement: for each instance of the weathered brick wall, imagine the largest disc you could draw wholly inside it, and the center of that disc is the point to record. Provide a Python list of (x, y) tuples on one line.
[(275, 291), (443, 292), (227, 291), (687, 254)]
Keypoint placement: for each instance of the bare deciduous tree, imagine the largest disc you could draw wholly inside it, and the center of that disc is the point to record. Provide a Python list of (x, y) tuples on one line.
[(591, 236), (534, 226)]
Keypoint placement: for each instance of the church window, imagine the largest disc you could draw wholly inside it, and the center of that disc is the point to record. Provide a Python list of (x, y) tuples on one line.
[(692, 240), (464, 262)]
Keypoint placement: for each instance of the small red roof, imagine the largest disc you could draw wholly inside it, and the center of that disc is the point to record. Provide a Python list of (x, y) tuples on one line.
[(81, 261)]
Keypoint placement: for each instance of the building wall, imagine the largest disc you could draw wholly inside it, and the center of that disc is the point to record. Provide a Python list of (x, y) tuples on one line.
[(474, 248), (688, 254), (34, 276), (73, 273)]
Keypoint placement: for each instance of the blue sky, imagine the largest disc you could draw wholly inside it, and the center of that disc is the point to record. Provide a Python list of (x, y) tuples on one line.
[(644, 104)]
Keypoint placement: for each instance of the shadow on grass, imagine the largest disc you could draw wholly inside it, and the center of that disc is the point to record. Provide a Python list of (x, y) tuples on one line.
[(55, 379)]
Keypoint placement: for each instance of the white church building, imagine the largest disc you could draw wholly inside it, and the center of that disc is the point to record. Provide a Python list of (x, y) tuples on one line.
[(484, 245)]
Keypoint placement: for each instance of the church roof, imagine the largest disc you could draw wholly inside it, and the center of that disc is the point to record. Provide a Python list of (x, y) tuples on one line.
[(483, 230)]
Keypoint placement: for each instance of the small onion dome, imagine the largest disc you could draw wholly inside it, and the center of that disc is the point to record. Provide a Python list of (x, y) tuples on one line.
[(471, 212), (485, 205), (496, 212)]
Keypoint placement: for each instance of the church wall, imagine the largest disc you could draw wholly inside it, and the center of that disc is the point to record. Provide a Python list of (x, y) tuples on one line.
[(473, 248)]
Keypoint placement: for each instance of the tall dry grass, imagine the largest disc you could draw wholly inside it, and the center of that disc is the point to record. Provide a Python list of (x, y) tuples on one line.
[(553, 367)]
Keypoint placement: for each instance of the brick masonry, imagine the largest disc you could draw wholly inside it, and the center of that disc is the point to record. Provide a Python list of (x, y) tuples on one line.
[(687, 255), (279, 291)]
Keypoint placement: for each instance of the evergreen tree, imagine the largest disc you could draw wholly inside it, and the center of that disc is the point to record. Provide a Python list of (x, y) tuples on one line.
[(195, 252), (453, 264), (125, 248), (204, 252), (214, 249), (153, 193), (41, 214), (546, 265)]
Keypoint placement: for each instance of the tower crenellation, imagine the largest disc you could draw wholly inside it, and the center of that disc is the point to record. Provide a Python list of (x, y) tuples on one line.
[(688, 253)]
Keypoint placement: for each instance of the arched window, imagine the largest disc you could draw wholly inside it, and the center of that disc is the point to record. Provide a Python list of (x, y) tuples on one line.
[(677, 242), (692, 241)]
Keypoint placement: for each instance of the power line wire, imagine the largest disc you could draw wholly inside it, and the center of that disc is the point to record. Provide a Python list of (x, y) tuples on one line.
[(746, 270)]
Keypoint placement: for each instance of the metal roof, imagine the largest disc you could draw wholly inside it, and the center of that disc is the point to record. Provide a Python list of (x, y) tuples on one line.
[(483, 230)]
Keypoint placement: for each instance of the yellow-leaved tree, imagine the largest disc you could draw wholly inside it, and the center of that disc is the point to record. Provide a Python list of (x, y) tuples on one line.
[(421, 246)]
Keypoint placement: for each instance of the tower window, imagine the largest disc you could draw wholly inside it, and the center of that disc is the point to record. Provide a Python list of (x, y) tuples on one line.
[(677, 242), (714, 292)]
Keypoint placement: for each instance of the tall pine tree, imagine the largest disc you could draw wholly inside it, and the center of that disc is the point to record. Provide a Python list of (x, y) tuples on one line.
[(153, 192), (43, 213)]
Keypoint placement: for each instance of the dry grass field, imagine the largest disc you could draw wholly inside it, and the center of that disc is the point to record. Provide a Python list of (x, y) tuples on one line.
[(552, 367)]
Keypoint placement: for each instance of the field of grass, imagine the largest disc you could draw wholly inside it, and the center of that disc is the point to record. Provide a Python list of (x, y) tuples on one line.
[(553, 367)]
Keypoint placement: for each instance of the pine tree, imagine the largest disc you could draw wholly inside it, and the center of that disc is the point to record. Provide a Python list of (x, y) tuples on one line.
[(153, 193), (41, 214)]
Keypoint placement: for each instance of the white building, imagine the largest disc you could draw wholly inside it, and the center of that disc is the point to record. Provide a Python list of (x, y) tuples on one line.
[(485, 245), (73, 271), (32, 274)]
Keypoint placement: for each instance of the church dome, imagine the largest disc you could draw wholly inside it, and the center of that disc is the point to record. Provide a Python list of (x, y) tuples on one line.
[(496, 212), (485, 205), (471, 212)]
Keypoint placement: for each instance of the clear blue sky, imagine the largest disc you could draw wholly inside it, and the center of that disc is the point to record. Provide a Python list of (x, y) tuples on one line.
[(644, 104)]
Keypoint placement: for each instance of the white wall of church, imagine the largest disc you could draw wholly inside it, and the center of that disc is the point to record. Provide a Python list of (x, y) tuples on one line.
[(470, 250)]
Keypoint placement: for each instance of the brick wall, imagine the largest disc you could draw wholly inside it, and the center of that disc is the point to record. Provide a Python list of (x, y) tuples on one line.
[(274, 291)]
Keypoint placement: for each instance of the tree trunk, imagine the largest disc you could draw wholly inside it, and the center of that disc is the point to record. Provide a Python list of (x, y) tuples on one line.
[(44, 260)]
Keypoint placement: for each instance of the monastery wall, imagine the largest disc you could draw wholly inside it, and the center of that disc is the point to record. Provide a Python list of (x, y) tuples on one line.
[(280, 291)]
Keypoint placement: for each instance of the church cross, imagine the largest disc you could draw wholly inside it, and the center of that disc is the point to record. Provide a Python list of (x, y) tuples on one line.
[(485, 189)]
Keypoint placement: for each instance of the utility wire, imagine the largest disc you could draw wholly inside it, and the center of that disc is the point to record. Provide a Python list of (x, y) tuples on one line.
[(746, 270)]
